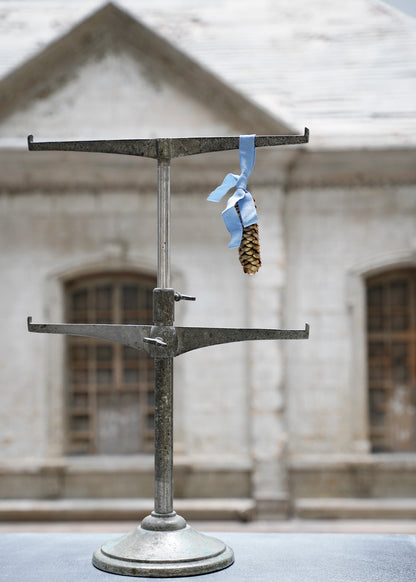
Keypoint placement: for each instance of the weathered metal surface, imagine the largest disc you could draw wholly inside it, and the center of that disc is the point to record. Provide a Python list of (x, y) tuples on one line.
[(165, 341), (165, 148), (181, 297), (163, 222), (163, 545), (163, 552), (163, 435), (129, 335), (192, 338), (131, 147)]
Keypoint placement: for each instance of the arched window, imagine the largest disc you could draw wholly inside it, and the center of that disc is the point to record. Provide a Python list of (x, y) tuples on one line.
[(391, 332), (110, 396)]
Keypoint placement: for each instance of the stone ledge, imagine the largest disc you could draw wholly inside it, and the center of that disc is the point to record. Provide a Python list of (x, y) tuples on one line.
[(119, 477), (341, 508), (353, 476), (122, 509), (388, 461)]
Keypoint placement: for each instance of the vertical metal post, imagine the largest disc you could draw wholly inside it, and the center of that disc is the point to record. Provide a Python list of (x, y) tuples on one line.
[(163, 208), (163, 436), (163, 312)]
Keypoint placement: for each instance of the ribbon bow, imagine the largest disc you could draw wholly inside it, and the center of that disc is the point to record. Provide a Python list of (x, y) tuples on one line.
[(241, 196)]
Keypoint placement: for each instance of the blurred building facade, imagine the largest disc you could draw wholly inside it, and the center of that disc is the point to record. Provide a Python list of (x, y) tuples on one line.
[(324, 427)]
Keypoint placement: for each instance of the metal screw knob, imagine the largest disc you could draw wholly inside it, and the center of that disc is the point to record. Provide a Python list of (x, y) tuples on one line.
[(154, 340), (180, 297)]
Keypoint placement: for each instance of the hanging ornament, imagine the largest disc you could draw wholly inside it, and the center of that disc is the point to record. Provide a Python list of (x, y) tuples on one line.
[(240, 215)]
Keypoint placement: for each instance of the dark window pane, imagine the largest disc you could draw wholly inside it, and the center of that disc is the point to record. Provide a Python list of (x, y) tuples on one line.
[(376, 350), (104, 353), (104, 309), (79, 377), (103, 298), (399, 308), (399, 291), (399, 322), (375, 322), (80, 300), (130, 354), (79, 307), (79, 353), (131, 376), (377, 374), (399, 362), (130, 297), (130, 305), (377, 407), (80, 423), (79, 400), (104, 376)]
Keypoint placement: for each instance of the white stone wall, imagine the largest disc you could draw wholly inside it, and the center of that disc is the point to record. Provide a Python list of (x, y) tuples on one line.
[(337, 236), (268, 426), (239, 407)]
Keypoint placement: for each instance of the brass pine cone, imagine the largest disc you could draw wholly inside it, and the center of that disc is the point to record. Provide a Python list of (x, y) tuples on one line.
[(249, 251)]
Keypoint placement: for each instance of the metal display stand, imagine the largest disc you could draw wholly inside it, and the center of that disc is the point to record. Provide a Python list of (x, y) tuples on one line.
[(164, 545)]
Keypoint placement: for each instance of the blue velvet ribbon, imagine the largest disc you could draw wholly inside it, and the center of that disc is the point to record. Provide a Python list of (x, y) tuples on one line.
[(245, 201)]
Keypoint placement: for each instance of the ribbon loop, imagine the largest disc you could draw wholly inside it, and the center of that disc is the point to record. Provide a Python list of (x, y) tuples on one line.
[(246, 206), (229, 182)]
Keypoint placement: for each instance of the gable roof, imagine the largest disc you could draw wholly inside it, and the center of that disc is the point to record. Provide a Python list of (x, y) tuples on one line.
[(346, 70), (111, 30)]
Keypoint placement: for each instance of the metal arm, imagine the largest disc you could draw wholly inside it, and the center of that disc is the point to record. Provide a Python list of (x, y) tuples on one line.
[(129, 335), (192, 338), (166, 148), (165, 341)]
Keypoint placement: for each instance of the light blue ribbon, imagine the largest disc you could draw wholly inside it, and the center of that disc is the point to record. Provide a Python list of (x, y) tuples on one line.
[(245, 201)]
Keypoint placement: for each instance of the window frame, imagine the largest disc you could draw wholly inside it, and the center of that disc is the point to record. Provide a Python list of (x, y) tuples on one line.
[(90, 283), (386, 336)]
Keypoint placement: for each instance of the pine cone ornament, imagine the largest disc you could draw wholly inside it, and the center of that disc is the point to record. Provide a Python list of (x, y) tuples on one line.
[(249, 251)]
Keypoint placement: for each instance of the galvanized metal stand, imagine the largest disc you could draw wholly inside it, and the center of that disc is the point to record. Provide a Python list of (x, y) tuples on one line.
[(164, 545)]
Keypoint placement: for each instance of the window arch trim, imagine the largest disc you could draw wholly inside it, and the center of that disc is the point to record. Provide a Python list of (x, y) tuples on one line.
[(54, 311)]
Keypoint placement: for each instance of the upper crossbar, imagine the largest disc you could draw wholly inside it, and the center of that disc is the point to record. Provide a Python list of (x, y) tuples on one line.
[(166, 147)]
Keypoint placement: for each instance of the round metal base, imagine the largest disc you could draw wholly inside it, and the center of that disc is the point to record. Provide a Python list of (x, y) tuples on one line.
[(160, 552)]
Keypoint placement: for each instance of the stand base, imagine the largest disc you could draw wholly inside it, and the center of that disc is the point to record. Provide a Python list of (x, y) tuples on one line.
[(160, 552)]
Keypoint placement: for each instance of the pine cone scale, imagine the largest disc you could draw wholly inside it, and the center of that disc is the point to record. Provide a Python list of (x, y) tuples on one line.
[(249, 251)]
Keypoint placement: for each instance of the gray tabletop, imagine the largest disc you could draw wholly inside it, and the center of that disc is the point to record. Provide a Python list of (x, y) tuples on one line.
[(264, 557)]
